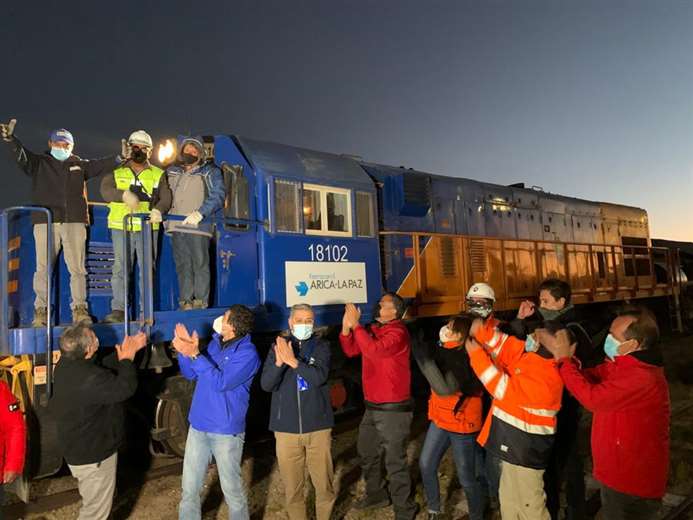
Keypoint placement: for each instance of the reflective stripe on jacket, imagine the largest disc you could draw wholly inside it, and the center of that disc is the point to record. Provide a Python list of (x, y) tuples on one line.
[(147, 181), (526, 390)]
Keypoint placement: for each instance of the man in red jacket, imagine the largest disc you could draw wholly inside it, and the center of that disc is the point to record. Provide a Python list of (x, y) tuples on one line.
[(12, 439), (629, 397), (384, 347)]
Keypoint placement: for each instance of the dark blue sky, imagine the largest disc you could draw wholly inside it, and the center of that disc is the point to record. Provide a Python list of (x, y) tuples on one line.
[(591, 99)]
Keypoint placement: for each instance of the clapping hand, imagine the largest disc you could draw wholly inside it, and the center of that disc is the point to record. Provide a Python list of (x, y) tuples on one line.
[(130, 346), (353, 314), (184, 343), (7, 129), (284, 352)]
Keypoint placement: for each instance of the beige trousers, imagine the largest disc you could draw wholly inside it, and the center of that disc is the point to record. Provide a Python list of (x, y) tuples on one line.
[(96, 483), (313, 450), (521, 493)]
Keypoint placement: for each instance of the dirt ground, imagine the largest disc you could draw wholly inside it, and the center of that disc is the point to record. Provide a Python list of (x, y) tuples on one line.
[(158, 499)]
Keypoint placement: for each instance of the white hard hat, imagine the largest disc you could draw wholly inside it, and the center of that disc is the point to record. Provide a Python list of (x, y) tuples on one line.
[(481, 290), (140, 138)]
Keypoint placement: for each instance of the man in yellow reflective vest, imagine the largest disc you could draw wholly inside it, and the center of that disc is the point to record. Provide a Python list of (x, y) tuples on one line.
[(135, 187)]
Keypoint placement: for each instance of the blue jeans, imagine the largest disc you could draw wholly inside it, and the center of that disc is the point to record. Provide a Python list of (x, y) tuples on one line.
[(135, 240), (467, 455), (227, 451)]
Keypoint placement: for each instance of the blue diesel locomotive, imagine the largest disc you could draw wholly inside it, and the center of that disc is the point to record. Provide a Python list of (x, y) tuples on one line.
[(306, 226)]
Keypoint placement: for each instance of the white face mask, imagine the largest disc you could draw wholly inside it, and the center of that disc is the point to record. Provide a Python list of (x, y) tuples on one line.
[(218, 324), (302, 331), (444, 334)]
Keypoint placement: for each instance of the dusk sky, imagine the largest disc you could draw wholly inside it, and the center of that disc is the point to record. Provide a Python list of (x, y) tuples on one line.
[(589, 99)]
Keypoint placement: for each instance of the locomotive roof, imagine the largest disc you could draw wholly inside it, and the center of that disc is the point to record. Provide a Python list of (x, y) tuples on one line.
[(305, 165), (379, 171)]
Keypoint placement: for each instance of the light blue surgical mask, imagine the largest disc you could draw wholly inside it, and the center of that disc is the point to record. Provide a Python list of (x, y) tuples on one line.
[(531, 344), (302, 331), (61, 154), (611, 345)]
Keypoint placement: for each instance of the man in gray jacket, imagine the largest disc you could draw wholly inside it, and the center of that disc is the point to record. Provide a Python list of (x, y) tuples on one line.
[(198, 192)]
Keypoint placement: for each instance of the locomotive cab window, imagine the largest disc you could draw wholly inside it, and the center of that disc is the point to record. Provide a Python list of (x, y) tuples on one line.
[(286, 206), (365, 214), (326, 211)]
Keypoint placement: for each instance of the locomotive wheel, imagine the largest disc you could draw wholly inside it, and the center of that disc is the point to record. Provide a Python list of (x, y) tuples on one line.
[(171, 421)]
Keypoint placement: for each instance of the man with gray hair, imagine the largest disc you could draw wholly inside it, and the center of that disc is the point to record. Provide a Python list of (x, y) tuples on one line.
[(88, 406), (296, 372)]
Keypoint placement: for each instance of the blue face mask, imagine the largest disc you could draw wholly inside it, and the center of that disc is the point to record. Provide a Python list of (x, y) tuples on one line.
[(611, 345), (60, 153), (302, 331), (531, 345)]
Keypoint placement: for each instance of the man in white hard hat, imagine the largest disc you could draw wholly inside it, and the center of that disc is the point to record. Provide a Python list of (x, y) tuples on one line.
[(58, 180), (479, 301), (136, 186)]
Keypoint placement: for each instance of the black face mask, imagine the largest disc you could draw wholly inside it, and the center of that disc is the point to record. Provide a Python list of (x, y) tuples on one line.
[(138, 156), (188, 158)]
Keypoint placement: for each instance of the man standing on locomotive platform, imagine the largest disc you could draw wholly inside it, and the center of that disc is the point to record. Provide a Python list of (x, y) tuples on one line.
[(198, 192), (223, 373), (136, 186), (87, 404), (58, 183), (384, 347), (12, 439), (296, 372)]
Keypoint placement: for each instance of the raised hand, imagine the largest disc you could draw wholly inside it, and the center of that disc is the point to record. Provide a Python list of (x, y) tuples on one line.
[(130, 346), (7, 129), (186, 344), (526, 309)]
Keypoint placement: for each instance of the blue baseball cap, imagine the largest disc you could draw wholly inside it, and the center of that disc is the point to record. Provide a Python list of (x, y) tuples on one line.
[(62, 135)]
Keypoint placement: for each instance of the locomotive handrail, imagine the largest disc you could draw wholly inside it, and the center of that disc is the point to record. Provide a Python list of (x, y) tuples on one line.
[(146, 276), (4, 282)]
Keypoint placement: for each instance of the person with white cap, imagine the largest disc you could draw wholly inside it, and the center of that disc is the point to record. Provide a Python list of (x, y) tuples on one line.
[(58, 184), (136, 186), (198, 192)]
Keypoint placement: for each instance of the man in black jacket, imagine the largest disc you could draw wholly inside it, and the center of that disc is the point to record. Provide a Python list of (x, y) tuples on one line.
[(58, 183), (296, 372), (566, 462), (87, 404)]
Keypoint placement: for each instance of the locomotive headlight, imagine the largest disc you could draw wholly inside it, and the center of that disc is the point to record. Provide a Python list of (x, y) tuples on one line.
[(167, 151)]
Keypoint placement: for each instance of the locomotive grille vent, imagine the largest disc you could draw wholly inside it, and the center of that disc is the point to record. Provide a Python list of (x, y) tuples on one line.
[(417, 189), (99, 265), (448, 266), (477, 256)]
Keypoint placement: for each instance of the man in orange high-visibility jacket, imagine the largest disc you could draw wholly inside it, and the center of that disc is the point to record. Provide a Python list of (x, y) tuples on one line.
[(520, 428)]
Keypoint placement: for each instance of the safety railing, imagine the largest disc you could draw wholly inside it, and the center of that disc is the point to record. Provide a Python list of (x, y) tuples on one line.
[(4, 283)]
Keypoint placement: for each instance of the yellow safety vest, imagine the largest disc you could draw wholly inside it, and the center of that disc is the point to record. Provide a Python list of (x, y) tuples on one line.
[(124, 178)]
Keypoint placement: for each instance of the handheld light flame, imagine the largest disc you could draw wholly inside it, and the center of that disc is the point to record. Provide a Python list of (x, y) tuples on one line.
[(167, 151)]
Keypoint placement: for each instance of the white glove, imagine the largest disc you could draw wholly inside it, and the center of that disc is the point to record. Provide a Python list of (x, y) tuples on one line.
[(155, 216), (6, 130), (193, 219), (131, 200), (125, 151)]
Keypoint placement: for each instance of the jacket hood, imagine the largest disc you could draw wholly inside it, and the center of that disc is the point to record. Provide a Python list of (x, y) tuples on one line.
[(197, 142)]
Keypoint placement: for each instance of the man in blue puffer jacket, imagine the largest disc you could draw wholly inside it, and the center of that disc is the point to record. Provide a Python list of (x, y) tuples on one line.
[(296, 372), (198, 192), (223, 372)]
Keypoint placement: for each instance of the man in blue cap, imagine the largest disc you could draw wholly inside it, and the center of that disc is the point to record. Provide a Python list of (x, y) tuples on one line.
[(58, 183)]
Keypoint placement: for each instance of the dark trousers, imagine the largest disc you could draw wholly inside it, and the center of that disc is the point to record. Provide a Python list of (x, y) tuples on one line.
[(619, 506), (2, 501), (566, 466), (191, 254), (492, 473), (387, 432)]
